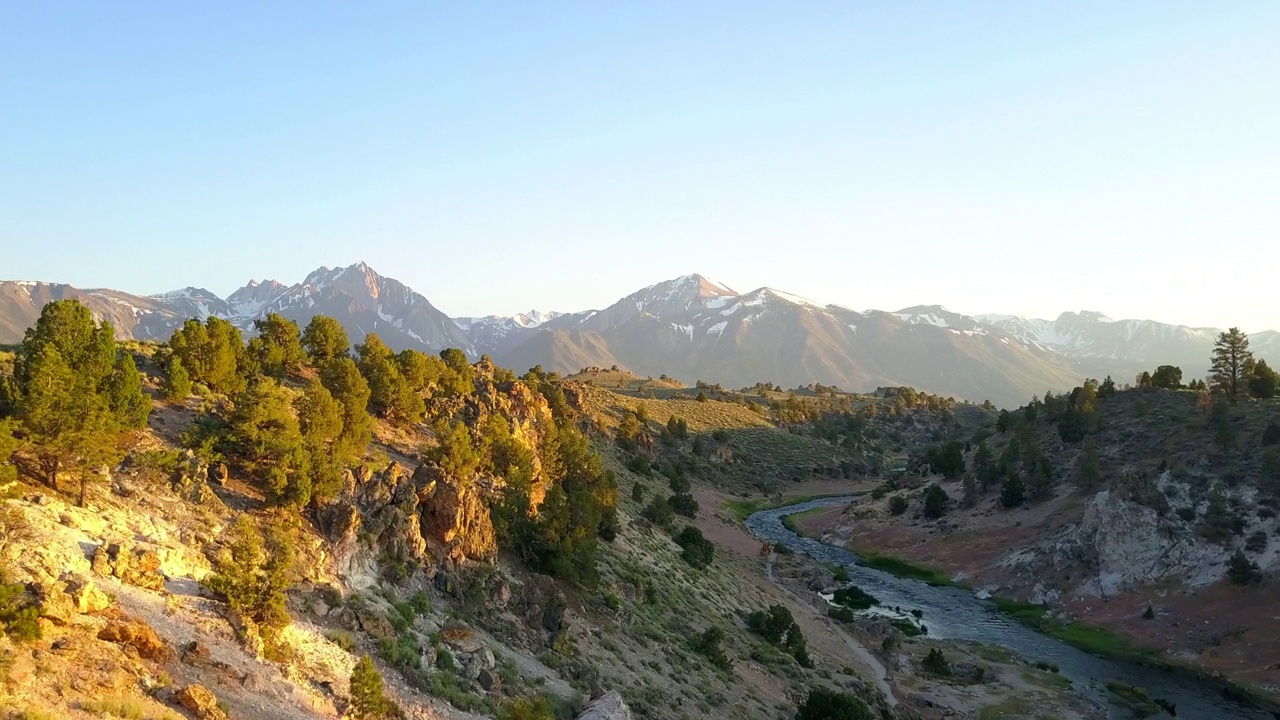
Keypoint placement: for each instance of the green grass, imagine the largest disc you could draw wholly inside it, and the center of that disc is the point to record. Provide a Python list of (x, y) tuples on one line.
[(1095, 640), (1134, 698), (899, 567)]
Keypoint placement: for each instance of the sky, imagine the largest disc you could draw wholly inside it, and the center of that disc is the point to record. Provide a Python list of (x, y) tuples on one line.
[(1022, 158)]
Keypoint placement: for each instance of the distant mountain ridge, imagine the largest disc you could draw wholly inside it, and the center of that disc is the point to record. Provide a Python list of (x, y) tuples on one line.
[(690, 328)]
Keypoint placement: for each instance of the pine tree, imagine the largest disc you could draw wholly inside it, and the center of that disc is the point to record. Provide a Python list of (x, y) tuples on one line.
[(1012, 490), (1264, 382), (324, 339), (1232, 363), (125, 397), (277, 348), (65, 420), (368, 702), (390, 393), (343, 380), (213, 354), (264, 433), (68, 327), (177, 383)]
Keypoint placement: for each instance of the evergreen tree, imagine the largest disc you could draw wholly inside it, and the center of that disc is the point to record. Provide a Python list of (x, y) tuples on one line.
[(368, 701), (1168, 377), (324, 339), (8, 446), (390, 393), (1107, 388), (454, 453), (1090, 471), (124, 395), (459, 379), (320, 418), (935, 501), (10, 396), (264, 434), (253, 570), (277, 349), (343, 380), (1012, 489), (65, 420), (421, 371), (1232, 363), (212, 353), (1243, 571), (988, 473), (1264, 381), (88, 350), (177, 383)]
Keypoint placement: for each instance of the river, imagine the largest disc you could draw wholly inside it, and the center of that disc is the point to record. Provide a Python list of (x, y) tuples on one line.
[(955, 613)]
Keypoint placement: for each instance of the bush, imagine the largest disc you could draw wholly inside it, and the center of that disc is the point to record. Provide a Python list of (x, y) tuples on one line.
[(708, 644), (342, 639), (525, 709), (824, 704), (935, 501), (19, 613), (1243, 571), (698, 551), (898, 504), (252, 572), (855, 598), (936, 663), (658, 512), (683, 504), (367, 699), (1271, 435), (778, 627)]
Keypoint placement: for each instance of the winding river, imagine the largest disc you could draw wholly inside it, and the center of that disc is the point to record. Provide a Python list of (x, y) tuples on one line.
[(954, 613)]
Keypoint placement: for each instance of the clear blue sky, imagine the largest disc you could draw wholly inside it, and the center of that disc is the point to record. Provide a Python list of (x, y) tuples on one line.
[(1023, 157)]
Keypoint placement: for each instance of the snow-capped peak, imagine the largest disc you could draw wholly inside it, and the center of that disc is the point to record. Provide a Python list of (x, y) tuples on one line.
[(534, 318)]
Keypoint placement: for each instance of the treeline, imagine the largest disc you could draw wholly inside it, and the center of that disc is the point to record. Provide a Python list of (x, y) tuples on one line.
[(294, 410)]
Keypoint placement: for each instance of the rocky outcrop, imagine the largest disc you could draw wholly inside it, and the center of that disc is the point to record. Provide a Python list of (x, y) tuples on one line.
[(457, 516), (136, 635), (133, 565), (1123, 544), (201, 702), (609, 706), (191, 482)]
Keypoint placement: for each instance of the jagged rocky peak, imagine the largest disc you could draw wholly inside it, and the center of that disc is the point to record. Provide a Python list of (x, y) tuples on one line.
[(254, 296)]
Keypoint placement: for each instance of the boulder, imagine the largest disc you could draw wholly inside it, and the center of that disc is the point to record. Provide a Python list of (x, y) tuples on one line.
[(86, 596), (133, 565), (137, 635), (606, 707), (201, 702)]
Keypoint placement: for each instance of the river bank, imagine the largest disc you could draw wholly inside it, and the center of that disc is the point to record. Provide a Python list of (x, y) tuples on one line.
[(954, 613)]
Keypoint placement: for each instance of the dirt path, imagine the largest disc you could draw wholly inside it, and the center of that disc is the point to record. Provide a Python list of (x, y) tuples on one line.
[(879, 673)]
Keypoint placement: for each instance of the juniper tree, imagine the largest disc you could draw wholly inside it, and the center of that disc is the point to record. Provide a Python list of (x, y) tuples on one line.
[(324, 339)]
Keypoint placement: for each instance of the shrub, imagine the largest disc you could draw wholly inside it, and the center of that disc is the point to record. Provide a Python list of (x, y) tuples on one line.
[(19, 613), (708, 644), (898, 504), (252, 572), (525, 709), (342, 639), (1243, 571), (367, 699), (1271, 435), (683, 504), (824, 704), (658, 512), (936, 663), (855, 598), (935, 501), (698, 551)]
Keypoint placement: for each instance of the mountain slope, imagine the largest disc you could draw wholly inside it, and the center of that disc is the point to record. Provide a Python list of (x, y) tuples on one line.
[(693, 328)]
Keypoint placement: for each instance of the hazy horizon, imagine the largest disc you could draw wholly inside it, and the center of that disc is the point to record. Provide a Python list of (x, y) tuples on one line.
[(992, 159)]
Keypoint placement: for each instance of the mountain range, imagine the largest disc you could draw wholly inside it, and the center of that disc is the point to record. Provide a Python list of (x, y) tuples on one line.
[(690, 328)]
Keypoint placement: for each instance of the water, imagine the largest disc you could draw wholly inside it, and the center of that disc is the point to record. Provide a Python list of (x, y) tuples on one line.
[(953, 613)]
